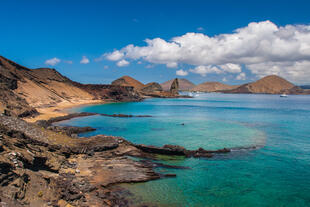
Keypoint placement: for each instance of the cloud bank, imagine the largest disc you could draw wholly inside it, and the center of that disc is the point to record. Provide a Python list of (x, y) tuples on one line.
[(262, 47)]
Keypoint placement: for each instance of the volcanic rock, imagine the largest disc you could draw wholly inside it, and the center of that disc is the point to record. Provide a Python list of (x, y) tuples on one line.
[(152, 87), (184, 85), (174, 89)]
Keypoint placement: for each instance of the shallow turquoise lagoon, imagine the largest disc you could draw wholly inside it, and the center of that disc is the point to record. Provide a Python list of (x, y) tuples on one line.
[(277, 173)]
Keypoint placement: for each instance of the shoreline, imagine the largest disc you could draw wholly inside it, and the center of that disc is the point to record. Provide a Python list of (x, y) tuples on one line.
[(97, 164), (61, 109)]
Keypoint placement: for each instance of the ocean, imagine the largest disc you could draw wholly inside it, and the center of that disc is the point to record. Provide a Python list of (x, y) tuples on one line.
[(275, 173)]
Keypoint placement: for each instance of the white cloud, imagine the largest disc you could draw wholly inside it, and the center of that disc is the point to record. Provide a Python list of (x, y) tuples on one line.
[(241, 76), (68, 61), (149, 66), (262, 47), (106, 67), (114, 56), (231, 68), (84, 60), (204, 70), (122, 63), (200, 29), (224, 79), (52, 62), (181, 72), (172, 65)]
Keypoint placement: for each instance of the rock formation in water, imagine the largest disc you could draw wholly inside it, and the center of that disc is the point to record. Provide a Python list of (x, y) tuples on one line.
[(212, 87), (184, 85), (271, 84), (174, 89)]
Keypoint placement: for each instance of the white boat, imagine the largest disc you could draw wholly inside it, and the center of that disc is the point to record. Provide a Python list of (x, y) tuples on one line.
[(283, 95)]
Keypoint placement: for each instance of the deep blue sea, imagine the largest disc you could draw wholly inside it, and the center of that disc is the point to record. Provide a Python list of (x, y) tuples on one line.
[(277, 173)]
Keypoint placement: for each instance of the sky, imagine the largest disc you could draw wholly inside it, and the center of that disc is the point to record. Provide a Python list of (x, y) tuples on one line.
[(231, 41)]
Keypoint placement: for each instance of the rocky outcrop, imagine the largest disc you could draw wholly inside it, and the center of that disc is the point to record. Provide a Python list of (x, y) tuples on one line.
[(212, 87), (39, 167), (184, 85), (174, 89), (152, 88), (42, 167), (10, 102), (181, 151)]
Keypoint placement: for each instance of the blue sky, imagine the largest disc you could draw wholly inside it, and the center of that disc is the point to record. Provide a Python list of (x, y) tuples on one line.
[(33, 32)]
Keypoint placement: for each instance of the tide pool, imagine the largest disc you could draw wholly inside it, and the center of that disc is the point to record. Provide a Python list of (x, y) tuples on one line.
[(275, 174)]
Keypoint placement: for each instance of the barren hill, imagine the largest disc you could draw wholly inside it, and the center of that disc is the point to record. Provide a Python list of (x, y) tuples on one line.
[(212, 87), (128, 81), (23, 89), (271, 84), (152, 87), (184, 85)]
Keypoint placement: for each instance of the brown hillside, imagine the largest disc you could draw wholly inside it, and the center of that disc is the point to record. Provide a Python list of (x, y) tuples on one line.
[(128, 81), (184, 85), (271, 84), (22, 89), (152, 87), (212, 87)]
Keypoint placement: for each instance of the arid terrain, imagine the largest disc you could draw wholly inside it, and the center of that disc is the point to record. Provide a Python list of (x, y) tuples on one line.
[(47, 165), (212, 87)]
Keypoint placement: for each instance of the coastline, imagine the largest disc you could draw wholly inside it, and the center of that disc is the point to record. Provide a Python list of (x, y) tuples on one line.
[(60, 109)]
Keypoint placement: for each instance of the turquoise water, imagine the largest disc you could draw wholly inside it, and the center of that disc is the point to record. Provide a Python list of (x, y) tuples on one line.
[(277, 173)]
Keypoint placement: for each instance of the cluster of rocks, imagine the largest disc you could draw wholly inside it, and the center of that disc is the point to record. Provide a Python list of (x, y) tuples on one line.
[(42, 167), (181, 151), (74, 131)]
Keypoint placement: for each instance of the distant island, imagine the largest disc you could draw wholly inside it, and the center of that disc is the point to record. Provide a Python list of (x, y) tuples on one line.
[(271, 84)]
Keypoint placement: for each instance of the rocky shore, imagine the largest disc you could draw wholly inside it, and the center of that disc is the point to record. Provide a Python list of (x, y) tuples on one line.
[(44, 165)]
